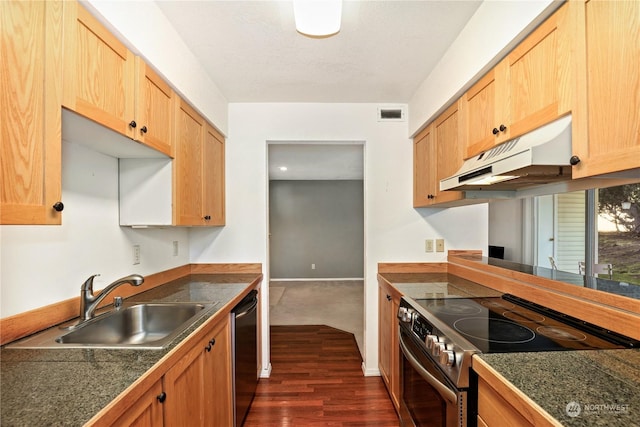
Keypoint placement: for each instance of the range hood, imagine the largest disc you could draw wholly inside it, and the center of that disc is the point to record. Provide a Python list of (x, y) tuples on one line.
[(536, 158)]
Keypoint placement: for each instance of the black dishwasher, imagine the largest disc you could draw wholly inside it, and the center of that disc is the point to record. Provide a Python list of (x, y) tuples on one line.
[(244, 342)]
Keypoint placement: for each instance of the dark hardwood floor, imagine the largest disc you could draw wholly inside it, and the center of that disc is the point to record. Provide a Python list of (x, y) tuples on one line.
[(317, 380)]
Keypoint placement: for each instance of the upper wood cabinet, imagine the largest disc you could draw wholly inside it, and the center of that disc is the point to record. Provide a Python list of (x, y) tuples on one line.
[(106, 83), (437, 155), (199, 186), (612, 87), (213, 172), (99, 77), (424, 172), (30, 94), (532, 86), (187, 166), (155, 109)]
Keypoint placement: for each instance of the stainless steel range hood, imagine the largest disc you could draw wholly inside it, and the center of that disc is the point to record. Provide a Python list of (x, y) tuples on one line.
[(537, 158)]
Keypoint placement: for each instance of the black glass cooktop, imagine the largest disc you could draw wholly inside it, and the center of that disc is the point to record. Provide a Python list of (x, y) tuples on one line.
[(510, 324)]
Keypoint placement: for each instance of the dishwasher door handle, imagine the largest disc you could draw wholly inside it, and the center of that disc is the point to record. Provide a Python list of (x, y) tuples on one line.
[(244, 310)]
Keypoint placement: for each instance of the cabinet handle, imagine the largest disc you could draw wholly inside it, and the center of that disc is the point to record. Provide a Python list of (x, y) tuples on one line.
[(143, 129), (574, 160), (133, 124), (211, 344), (58, 206), (495, 131), (162, 397), (207, 217), (503, 128)]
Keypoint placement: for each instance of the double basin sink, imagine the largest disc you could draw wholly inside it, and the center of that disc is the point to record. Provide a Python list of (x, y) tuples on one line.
[(148, 326)]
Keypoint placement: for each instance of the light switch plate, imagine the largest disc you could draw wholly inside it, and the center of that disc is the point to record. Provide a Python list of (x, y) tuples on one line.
[(428, 245), (439, 245)]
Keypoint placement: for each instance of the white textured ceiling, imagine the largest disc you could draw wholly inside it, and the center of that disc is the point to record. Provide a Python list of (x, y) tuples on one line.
[(382, 53)]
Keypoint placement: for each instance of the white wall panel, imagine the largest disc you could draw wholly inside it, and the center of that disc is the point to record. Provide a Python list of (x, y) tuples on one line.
[(394, 230)]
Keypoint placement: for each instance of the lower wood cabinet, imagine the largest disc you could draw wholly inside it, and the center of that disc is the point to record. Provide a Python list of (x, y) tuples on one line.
[(195, 390), (199, 386), (145, 411), (388, 347)]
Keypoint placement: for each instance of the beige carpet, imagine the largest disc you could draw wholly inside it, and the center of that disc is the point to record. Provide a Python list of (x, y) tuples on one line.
[(335, 303)]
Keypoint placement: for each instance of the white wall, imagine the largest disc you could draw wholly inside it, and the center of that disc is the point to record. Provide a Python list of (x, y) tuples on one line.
[(42, 265), (505, 227), (395, 232), (142, 26), (492, 31)]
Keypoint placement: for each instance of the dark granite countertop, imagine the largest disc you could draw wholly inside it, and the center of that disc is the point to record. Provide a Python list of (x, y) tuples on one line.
[(604, 383), (577, 388), (66, 387)]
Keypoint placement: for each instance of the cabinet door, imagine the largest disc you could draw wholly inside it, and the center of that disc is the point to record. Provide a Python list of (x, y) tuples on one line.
[(30, 91), (424, 171), (218, 383), (449, 152), (99, 71), (155, 109), (478, 108), (185, 390), (388, 347), (213, 177), (187, 199), (613, 82), (540, 77), (145, 411)]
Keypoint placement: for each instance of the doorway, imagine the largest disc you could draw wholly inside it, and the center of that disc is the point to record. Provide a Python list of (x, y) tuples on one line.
[(316, 234)]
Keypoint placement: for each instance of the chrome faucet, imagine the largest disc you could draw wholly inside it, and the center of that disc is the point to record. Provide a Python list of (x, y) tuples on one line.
[(89, 302)]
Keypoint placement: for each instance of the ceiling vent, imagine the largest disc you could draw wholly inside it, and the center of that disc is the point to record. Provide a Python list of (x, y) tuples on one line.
[(391, 114)]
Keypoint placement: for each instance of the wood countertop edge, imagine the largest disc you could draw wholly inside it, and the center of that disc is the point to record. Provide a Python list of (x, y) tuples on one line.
[(23, 324), (107, 415), (528, 408), (583, 293)]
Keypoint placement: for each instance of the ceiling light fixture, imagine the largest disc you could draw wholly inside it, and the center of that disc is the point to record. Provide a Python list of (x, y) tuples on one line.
[(317, 18), (283, 168)]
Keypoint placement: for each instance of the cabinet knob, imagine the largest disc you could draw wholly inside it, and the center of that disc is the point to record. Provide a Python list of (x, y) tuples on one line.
[(207, 217), (162, 397), (495, 131), (574, 160), (503, 128), (388, 297), (143, 129), (212, 342), (58, 206), (133, 124)]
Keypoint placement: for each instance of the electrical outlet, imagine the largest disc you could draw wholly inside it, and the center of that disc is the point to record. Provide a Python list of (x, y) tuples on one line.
[(136, 254), (175, 248), (439, 245), (313, 266), (428, 245)]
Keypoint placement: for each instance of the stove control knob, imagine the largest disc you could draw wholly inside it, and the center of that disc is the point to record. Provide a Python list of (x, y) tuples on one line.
[(448, 358), (431, 340), (438, 348), (405, 314)]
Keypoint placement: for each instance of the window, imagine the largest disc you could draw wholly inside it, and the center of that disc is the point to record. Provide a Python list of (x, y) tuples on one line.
[(591, 232)]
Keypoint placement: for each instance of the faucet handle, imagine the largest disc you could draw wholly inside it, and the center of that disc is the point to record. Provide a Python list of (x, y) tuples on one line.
[(88, 284), (117, 303)]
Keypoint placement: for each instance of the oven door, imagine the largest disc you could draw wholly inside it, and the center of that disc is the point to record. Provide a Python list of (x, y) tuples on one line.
[(427, 397)]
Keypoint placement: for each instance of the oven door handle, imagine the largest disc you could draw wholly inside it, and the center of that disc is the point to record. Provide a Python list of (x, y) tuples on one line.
[(444, 391)]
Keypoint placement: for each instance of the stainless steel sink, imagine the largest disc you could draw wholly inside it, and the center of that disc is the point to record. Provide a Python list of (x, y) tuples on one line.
[(133, 326)]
